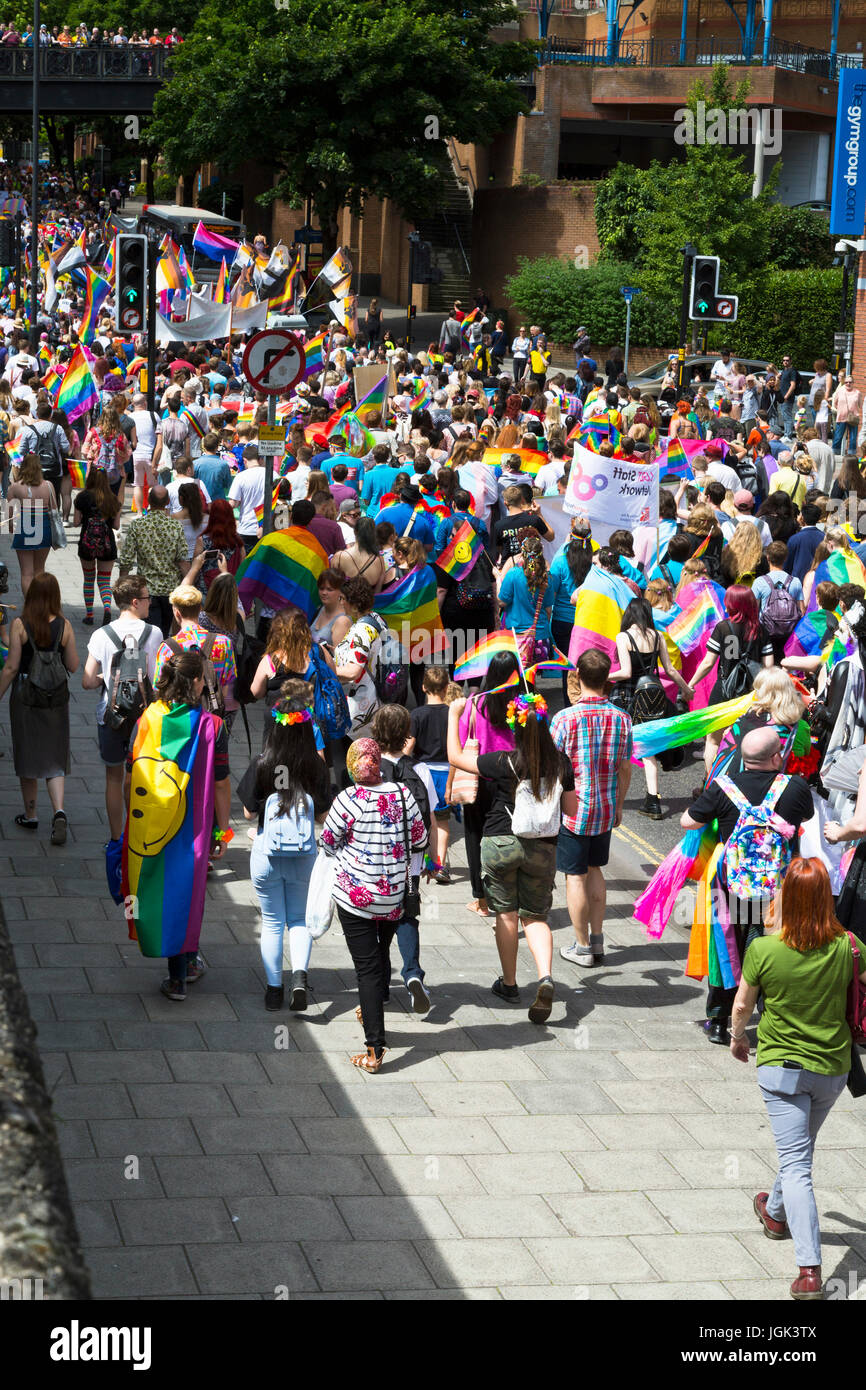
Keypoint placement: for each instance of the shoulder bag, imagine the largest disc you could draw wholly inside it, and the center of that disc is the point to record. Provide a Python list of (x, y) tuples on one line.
[(464, 788), (411, 896), (58, 533)]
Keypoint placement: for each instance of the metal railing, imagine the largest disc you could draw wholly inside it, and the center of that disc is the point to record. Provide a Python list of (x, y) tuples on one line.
[(658, 53), (85, 64)]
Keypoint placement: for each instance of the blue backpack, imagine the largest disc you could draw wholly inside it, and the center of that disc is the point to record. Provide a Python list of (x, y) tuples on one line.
[(330, 705), (288, 834)]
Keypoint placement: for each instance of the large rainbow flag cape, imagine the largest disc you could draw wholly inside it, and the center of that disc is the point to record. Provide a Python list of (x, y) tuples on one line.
[(530, 459), (841, 567), (476, 661), (374, 401), (658, 735), (96, 292), (168, 828), (212, 244), (601, 601), (696, 621), (461, 552), (811, 634), (411, 610), (78, 391), (284, 569)]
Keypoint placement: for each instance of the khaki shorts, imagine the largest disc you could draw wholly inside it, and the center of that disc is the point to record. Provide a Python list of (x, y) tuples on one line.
[(518, 874)]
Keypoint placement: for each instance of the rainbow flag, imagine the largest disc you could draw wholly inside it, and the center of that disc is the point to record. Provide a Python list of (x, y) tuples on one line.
[(44, 355), (275, 497), (551, 665), (659, 735), (412, 612), (168, 270), (313, 355), (220, 294), (693, 623), (186, 414), (601, 601), (96, 292), (15, 452), (359, 440), (51, 381), (675, 460), (373, 402), (188, 277), (78, 391), (842, 567), (461, 552), (168, 828), (108, 265), (530, 459), (136, 365), (77, 471), (283, 568), (596, 432), (212, 245), (811, 634), (476, 661)]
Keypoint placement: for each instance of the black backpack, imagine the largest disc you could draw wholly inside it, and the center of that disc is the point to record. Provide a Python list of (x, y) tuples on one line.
[(48, 452), (130, 691), (476, 589), (248, 654), (46, 684)]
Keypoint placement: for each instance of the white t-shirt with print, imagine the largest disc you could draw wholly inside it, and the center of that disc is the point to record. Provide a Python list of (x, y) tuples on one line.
[(103, 650), (248, 489)]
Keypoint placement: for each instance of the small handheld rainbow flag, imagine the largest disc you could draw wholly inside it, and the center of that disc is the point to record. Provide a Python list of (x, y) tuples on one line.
[(556, 662), (220, 294), (77, 472), (260, 509), (530, 459), (313, 355), (97, 291), (461, 552), (675, 461), (212, 245), (476, 661), (15, 452), (690, 626)]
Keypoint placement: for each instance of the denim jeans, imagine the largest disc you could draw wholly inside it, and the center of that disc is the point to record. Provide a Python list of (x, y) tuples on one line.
[(409, 942), (839, 431), (281, 887), (786, 411), (798, 1102), (178, 965)]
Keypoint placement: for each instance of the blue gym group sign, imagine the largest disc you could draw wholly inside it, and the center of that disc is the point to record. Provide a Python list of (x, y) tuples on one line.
[(848, 210)]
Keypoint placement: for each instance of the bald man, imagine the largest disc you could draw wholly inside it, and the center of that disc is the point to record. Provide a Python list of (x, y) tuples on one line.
[(761, 753)]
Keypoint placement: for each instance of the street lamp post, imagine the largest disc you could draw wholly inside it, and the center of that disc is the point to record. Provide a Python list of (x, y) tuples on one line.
[(34, 192)]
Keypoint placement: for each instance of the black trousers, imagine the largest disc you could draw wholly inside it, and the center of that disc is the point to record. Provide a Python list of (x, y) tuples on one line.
[(473, 829), (369, 942), (159, 613)]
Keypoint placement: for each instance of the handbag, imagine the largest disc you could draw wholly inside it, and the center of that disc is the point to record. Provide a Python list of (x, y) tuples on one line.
[(464, 788), (58, 534), (411, 896), (855, 1012), (319, 911)]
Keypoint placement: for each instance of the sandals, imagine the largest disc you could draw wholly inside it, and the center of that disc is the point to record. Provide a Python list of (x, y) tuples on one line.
[(359, 1016), (368, 1061), (25, 823), (473, 907)]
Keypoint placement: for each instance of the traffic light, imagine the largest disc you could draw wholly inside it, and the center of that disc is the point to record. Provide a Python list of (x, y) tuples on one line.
[(7, 241), (705, 280), (130, 295), (424, 272)]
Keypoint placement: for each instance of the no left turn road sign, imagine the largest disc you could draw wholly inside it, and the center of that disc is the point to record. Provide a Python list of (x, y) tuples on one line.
[(273, 361)]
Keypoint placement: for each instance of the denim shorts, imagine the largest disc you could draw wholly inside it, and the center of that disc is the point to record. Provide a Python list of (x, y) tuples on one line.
[(112, 745), (518, 874)]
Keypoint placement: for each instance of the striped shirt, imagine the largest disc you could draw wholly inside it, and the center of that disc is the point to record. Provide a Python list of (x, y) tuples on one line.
[(364, 830), (597, 737)]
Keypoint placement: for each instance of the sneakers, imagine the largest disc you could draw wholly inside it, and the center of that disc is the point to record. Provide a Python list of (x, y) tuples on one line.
[(504, 991), (274, 995), (299, 991), (539, 1009), (58, 828), (773, 1228), (195, 970), (808, 1285), (173, 989), (443, 877), (420, 997), (581, 955)]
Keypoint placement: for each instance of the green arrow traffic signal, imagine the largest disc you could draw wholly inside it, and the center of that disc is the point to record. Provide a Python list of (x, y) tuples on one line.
[(702, 306), (130, 293)]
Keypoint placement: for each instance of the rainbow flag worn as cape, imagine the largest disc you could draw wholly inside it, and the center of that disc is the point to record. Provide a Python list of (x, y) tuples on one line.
[(811, 634), (692, 623), (168, 828), (461, 552), (476, 661), (212, 245), (601, 601), (530, 459), (77, 471), (284, 569), (841, 567), (411, 610), (78, 391)]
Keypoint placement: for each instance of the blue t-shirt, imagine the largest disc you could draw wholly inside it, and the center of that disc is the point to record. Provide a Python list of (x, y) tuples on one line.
[(561, 585), (354, 465), (377, 482), (520, 604), (215, 474), (765, 583), (399, 515)]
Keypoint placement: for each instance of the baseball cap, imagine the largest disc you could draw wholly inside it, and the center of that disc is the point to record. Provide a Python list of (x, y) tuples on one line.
[(743, 499), (349, 504)]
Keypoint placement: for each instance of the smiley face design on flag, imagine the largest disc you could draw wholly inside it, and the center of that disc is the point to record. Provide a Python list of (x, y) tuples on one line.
[(463, 552)]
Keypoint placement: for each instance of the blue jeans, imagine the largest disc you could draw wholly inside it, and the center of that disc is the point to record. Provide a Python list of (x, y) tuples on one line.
[(281, 887), (786, 411), (798, 1103), (409, 942), (839, 431), (178, 965)]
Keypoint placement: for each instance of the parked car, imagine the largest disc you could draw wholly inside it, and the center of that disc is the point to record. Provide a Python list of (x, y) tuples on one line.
[(698, 367)]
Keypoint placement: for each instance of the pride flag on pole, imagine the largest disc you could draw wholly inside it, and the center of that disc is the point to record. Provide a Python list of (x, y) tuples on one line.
[(220, 294), (373, 402), (284, 568), (97, 291), (212, 245), (78, 391), (461, 552), (476, 661)]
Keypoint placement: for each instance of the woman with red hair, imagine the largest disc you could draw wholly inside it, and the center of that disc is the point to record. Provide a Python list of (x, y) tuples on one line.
[(740, 647), (218, 542), (803, 970)]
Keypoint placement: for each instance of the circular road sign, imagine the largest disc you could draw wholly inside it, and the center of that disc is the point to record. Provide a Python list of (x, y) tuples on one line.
[(724, 308), (273, 361)]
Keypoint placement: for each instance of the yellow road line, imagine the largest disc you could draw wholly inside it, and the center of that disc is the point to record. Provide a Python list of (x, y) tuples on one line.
[(647, 849)]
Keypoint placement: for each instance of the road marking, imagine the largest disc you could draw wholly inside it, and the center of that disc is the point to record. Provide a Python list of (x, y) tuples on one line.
[(630, 835)]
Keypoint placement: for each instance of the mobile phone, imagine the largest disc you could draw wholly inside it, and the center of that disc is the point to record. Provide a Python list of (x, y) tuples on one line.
[(211, 554)]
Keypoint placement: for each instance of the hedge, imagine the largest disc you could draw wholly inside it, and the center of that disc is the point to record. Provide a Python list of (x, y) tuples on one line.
[(787, 311)]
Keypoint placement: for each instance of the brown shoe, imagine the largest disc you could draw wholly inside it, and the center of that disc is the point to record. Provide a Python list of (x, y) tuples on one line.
[(776, 1230), (808, 1284)]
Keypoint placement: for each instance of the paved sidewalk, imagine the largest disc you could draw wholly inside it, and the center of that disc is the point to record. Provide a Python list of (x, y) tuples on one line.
[(217, 1151)]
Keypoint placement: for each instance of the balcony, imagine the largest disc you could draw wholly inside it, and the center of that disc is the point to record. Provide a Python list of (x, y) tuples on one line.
[(664, 53), (75, 81)]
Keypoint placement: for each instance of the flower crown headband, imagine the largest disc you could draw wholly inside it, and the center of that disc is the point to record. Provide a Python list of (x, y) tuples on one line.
[(522, 706), (302, 717)]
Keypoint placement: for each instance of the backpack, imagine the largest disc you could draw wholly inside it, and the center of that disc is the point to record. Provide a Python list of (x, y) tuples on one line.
[(740, 677), (130, 691), (759, 850), (391, 673), (249, 653), (212, 697), (748, 475), (292, 833), (330, 706), (95, 539), (401, 770), (46, 684), (781, 611), (536, 818), (476, 589), (48, 452)]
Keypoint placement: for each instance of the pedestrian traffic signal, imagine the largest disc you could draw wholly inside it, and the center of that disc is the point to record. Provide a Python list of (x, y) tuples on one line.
[(705, 280), (7, 241), (130, 262)]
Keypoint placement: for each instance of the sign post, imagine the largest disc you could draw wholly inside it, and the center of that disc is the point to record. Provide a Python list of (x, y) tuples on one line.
[(273, 361), (628, 293)]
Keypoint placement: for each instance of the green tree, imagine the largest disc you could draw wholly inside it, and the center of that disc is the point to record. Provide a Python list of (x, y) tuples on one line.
[(344, 99), (623, 201), (552, 292)]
